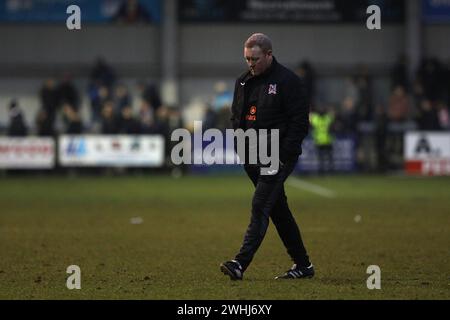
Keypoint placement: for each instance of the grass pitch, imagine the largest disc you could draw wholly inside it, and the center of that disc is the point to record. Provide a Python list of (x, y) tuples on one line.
[(190, 225)]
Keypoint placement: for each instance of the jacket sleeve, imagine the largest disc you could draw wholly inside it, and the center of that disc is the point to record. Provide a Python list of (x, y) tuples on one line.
[(297, 109)]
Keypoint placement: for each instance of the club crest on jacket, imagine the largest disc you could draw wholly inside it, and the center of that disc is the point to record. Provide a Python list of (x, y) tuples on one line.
[(272, 89)]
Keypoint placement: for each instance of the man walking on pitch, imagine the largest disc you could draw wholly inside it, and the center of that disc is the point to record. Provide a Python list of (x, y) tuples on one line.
[(270, 96)]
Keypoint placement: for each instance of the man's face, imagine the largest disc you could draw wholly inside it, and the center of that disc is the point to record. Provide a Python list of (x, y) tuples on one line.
[(257, 60)]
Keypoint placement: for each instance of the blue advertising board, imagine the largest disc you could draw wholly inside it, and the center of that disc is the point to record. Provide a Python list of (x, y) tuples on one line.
[(92, 11), (283, 11), (344, 158), (436, 11)]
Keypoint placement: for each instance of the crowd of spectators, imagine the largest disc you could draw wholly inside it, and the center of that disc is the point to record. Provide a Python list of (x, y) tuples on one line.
[(420, 104), (423, 103), (111, 108)]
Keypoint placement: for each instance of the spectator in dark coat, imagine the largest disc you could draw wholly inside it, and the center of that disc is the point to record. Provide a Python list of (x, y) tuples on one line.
[(150, 94), (428, 117), (307, 73), (98, 98), (68, 93), (16, 126), (44, 124), (49, 106), (109, 120), (122, 97), (102, 74), (128, 123), (72, 120), (346, 121)]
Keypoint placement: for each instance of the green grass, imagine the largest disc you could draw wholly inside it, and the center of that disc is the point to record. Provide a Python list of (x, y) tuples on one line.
[(190, 225)]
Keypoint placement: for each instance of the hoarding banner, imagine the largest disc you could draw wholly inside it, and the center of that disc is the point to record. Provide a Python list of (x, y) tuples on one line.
[(111, 150), (427, 153), (101, 11), (436, 11), (27, 153), (344, 156), (298, 11)]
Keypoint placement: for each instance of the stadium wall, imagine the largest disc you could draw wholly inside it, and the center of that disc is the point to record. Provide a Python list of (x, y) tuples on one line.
[(29, 50)]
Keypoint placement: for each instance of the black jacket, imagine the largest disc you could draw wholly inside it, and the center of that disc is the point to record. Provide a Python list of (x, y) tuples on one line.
[(281, 104)]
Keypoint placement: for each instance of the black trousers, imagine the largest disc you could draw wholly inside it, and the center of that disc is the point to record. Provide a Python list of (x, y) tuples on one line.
[(269, 200)]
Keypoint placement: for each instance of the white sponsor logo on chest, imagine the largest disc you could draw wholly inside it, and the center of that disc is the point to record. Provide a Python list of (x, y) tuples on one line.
[(272, 89)]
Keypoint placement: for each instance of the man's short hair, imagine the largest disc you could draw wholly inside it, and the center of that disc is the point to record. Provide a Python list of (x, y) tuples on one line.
[(260, 40)]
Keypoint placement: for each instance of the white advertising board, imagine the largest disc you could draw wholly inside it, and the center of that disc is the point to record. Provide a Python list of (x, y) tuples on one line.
[(27, 153), (427, 153), (111, 150)]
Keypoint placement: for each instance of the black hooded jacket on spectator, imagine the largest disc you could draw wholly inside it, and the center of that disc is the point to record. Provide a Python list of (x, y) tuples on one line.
[(280, 99), (17, 126)]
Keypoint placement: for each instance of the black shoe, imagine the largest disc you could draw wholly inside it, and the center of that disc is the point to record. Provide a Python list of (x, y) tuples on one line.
[(232, 269), (297, 273)]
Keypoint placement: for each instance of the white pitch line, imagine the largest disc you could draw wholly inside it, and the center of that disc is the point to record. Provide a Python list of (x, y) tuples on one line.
[(311, 187)]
